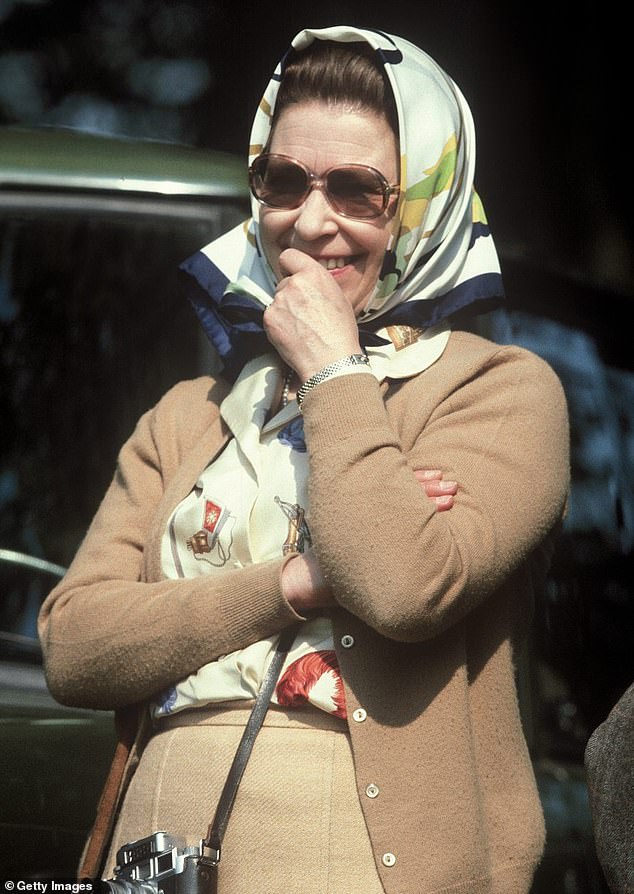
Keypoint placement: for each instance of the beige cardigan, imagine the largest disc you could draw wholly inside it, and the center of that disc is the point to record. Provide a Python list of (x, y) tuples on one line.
[(432, 604)]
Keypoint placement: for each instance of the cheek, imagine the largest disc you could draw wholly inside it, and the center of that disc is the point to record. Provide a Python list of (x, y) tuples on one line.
[(377, 248), (270, 230)]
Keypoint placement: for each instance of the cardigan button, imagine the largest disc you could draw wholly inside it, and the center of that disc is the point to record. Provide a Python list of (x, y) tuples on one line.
[(359, 715), (372, 791), (347, 641), (388, 859)]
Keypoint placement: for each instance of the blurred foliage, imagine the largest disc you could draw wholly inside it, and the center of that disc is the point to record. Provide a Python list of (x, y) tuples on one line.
[(134, 67)]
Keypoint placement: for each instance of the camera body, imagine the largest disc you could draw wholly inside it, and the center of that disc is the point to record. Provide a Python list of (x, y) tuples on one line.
[(159, 863)]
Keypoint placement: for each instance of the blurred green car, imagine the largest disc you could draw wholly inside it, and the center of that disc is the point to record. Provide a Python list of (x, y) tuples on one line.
[(94, 328), (53, 758)]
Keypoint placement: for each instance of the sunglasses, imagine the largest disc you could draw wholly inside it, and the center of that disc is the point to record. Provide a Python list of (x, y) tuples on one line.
[(356, 191)]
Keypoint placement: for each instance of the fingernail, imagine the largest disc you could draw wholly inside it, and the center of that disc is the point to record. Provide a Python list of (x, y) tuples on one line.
[(429, 474), (442, 501), (447, 485)]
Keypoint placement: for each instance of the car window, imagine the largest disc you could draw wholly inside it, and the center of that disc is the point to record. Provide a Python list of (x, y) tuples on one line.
[(94, 328)]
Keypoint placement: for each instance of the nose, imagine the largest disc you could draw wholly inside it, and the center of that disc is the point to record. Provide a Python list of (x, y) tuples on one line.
[(315, 217)]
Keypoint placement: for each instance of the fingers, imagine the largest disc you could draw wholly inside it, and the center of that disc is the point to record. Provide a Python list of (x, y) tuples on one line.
[(434, 484), (305, 275), (443, 503), (428, 474), (310, 323), (441, 492), (291, 261)]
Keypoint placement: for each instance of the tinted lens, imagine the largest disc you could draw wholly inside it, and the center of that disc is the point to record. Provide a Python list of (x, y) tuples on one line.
[(278, 182), (352, 190), (356, 191)]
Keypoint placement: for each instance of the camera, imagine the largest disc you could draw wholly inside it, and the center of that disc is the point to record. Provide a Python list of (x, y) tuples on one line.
[(159, 864)]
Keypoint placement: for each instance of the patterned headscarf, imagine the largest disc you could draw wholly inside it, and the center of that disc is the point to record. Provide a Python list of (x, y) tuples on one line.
[(440, 256)]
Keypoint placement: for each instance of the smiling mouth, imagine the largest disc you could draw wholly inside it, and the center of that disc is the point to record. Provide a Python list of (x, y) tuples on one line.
[(336, 263)]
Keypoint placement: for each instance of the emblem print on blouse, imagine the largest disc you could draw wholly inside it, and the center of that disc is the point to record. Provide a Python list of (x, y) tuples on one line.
[(313, 679), (403, 336), (298, 537), (207, 539)]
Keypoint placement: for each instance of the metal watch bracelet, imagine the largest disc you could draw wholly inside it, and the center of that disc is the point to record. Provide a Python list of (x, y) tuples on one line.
[(327, 372)]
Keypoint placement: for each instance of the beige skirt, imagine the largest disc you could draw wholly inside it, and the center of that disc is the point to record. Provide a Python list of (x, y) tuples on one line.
[(296, 825)]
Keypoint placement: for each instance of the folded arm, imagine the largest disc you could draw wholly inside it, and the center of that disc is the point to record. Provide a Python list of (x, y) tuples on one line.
[(389, 557)]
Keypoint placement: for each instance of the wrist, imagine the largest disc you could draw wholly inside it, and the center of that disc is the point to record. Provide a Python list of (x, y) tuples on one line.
[(293, 583), (313, 360)]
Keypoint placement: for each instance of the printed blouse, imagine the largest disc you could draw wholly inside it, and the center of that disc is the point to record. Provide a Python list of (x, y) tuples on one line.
[(250, 505)]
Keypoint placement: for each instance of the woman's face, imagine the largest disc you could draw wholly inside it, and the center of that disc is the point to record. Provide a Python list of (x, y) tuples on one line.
[(321, 136)]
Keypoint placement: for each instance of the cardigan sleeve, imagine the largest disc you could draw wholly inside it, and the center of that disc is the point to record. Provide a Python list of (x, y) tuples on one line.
[(109, 637), (497, 426)]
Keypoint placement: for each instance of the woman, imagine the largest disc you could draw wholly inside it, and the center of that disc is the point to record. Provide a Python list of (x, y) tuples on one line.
[(392, 759)]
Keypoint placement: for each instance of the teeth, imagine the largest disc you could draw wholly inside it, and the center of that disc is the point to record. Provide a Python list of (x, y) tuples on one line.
[(334, 263)]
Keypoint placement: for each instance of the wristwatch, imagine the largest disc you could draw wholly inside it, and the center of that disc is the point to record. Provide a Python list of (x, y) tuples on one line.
[(328, 371)]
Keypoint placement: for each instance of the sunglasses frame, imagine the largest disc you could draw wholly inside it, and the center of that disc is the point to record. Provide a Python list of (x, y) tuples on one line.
[(388, 189)]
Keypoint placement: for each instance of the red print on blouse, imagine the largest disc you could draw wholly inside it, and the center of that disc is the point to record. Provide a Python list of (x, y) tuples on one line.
[(314, 679)]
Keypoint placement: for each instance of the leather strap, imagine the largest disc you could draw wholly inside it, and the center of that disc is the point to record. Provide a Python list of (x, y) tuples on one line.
[(212, 844), (131, 729)]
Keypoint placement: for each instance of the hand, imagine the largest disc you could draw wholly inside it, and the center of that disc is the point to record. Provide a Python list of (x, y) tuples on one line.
[(303, 584), (441, 492), (310, 323)]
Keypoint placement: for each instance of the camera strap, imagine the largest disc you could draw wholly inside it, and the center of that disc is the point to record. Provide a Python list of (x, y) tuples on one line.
[(211, 845)]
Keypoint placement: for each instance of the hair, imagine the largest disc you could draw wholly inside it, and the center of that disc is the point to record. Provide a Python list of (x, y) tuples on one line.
[(339, 74)]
